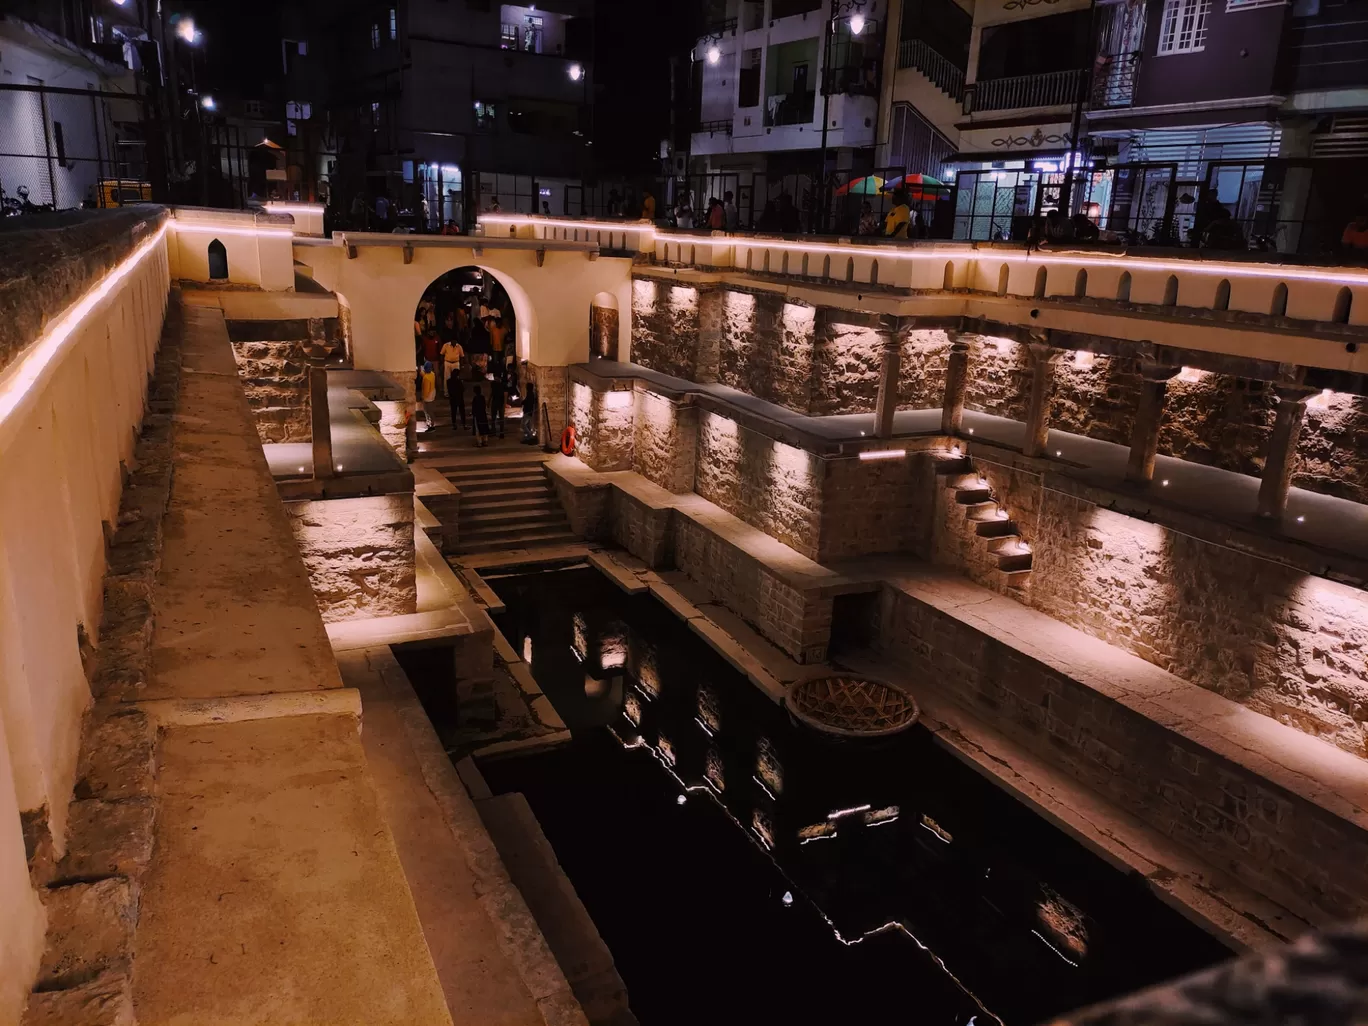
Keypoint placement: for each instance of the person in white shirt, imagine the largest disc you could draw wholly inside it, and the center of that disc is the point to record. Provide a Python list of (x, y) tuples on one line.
[(452, 355)]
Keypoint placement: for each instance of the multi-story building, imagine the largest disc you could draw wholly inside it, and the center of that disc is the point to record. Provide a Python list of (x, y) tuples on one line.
[(455, 101), (785, 91), (1260, 105)]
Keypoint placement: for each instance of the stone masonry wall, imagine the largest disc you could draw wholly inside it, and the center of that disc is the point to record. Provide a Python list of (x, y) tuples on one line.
[(1262, 634), (849, 364), (553, 392), (876, 506), (771, 486), (359, 553), (604, 426), (767, 347), (921, 373), (1279, 844), (665, 327), (274, 359), (603, 332), (666, 444)]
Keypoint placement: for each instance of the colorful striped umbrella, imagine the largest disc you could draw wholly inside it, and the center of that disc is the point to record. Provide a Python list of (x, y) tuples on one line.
[(919, 187), (870, 185)]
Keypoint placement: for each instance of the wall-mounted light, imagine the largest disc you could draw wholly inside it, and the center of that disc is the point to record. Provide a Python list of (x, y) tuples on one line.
[(207, 102), (857, 24), (576, 72), (185, 28), (714, 55)]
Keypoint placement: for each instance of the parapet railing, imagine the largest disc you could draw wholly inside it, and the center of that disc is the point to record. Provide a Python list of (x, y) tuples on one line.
[(1181, 279)]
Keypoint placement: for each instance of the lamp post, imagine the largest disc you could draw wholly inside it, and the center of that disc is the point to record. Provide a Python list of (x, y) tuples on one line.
[(838, 10)]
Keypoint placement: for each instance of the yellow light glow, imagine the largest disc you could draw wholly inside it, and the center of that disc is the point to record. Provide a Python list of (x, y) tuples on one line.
[(209, 229), (883, 454), (39, 359)]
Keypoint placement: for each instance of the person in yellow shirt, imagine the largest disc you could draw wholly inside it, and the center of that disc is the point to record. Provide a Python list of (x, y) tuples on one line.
[(648, 207), (899, 217)]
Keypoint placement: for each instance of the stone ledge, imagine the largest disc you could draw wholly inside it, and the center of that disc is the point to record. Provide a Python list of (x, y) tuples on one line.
[(1053, 688), (106, 1000)]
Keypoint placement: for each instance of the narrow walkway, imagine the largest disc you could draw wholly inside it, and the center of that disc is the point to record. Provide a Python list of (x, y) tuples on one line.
[(1324, 521), (275, 894)]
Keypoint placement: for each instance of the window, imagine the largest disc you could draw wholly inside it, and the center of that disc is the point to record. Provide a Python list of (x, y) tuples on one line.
[(484, 115), (375, 36), (252, 108), (1182, 28), (1249, 5), (508, 36), (394, 23)]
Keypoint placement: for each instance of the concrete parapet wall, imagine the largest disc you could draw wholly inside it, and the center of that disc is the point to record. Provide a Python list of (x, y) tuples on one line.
[(84, 302)]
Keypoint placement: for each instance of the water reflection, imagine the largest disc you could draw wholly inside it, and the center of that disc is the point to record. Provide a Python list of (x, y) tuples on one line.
[(881, 838)]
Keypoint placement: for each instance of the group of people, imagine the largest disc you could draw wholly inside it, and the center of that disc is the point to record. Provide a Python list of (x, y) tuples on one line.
[(473, 348)]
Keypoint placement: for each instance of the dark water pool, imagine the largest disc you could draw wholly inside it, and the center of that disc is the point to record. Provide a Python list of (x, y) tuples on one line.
[(743, 869)]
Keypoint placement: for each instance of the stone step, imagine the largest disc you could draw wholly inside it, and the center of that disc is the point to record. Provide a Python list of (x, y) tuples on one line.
[(503, 482), (518, 540), (475, 464), (994, 527), (1016, 578), (510, 470), (512, 491), (974, 495), (481, 503), (949, 465), (485, 522)]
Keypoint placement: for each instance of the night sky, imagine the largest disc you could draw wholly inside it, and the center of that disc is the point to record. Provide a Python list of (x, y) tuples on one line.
[(633, 43)]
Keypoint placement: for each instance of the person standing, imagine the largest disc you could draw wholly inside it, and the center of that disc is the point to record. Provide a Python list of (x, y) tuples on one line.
[(479, 416), (716, 214), (731, 217), (899, 218), (497, 398), (529, 410), (452, 355), (648, 207)]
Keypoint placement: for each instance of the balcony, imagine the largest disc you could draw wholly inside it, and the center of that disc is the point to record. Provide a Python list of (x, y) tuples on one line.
[(790, 109), (1114, 81), (1052, 89), (722, 126), (944, 75)]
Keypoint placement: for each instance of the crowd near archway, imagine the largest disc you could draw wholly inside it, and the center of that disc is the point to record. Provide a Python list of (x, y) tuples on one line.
[(470, 382)]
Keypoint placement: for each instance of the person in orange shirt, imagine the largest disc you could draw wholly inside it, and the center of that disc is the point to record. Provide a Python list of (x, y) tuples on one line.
[(1355, 237)]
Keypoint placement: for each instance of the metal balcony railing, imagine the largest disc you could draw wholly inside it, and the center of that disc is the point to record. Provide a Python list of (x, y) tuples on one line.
[(1114, 80), (944, 75), (722, 125), (1052, 89)]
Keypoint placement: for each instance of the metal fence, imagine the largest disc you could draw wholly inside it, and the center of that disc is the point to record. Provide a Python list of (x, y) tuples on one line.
[(1053, 89), (64, 148)]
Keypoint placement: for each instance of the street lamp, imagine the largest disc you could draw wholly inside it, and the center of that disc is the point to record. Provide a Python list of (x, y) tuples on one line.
[(185, 28), (207, 102), (838, 9), (714, 55), (576, 72)]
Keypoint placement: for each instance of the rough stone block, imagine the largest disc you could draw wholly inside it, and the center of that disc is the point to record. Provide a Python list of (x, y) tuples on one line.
[(107, 839), (90, 929), (106, 1000), (118, 757)]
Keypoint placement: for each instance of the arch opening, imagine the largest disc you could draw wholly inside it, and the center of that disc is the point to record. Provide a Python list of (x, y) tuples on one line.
[(1004, 276), (604, 327), (471, 332), (1171, 291), (1344, 303), (1042, 279), (948, 282), (1278, 306), (1222, 300), (1123, 287), (1081, 284), (218, 261)]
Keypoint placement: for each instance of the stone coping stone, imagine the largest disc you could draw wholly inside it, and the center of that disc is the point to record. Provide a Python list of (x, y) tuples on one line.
[(1304, 766), (49, 261)]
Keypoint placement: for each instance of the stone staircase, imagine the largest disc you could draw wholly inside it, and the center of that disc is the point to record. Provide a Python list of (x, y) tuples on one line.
[(991, 526), (507, 503)]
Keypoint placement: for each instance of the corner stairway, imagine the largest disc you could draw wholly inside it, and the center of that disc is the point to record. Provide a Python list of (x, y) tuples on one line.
[(506, 503), (1002, 549)]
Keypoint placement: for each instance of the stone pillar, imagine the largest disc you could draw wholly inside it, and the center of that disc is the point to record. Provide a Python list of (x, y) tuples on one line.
[(887, 403), (553, 394), (320, 423), (707, 359), (956, 380), (1282, 451), (1149, 416), (1043, 359)]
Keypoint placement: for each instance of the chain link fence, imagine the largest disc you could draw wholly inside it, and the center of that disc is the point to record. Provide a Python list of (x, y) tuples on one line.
[(64, 148)]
